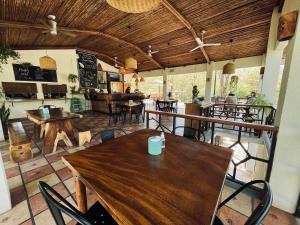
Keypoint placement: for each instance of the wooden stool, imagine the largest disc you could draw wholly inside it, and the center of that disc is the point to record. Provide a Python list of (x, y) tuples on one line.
[(84, 133), (61, 136), (20, 144)]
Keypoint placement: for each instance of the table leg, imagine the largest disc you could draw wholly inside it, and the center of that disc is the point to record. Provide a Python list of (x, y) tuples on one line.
[(37, 131), (130, 115), (80, 195), (50, 136)]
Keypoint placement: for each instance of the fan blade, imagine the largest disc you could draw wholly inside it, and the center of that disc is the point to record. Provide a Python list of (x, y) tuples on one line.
[(213, 44), (68, 34), (153, 52), (199, 46)]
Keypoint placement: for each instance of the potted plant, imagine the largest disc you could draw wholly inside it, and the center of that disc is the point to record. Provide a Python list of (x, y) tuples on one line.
[(4, 115), (73, 89), (5, 54), (72, 78)]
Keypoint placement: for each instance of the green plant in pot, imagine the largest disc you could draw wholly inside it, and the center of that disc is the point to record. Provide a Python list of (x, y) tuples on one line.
[(5, 54), (4, 115), (72, 78), (73, 89)]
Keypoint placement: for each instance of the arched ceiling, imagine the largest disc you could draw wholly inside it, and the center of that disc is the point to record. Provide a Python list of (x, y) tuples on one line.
[(108, 32)]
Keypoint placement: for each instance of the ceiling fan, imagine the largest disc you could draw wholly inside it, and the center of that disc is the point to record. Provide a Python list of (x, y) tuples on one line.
[(52, 29), (201, 44), (116, 63), (150, 52)]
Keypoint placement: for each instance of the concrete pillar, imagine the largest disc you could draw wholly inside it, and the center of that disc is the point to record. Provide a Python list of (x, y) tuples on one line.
[(272, 61), (165, 84), (208, 84), (285, 176)]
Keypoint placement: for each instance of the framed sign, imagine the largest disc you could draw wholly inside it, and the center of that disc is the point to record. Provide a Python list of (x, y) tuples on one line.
[(87, 70)]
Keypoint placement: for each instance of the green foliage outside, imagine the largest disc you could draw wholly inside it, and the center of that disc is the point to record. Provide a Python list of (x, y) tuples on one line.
[(182, 84)]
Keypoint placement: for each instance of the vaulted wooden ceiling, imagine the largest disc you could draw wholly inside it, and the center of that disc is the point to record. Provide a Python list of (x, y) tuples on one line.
[(108, 32)]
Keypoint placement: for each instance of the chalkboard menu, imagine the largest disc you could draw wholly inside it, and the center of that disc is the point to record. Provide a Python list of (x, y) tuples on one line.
[(87, 69), (34, 73)]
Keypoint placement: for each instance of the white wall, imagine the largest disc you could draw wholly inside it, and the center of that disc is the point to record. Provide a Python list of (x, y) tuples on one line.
[(285, 177), (66, 60)]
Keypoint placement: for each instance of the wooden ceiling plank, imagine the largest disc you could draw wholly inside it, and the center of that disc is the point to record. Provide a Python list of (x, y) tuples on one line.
[(177, 14), (22, 25)]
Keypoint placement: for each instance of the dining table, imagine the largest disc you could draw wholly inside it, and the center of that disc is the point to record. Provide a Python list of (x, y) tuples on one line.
[(182, 185), (56, 124)]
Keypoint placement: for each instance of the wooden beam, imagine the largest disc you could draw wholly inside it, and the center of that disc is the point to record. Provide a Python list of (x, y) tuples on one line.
[(99, 55), (188, 25), (23, 25)]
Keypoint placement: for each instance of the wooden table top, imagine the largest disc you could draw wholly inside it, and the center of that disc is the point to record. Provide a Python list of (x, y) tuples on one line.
[(55, 114), (182, 186)]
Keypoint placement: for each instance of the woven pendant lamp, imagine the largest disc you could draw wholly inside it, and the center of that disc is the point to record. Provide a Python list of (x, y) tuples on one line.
[(47, 63), (130, 63), (229, 68), (134, 6)]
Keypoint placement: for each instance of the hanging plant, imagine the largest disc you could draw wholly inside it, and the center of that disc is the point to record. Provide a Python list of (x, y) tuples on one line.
[(72, 78), (5, 54), (26, 64), (233, 83)]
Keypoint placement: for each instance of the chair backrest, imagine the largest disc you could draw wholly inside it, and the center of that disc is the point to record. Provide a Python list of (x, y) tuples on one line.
[(188, 132), (262, 209), (57, 209), (107, 135)]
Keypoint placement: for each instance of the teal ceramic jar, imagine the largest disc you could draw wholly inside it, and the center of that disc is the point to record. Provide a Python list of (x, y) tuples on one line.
[(154, 145)]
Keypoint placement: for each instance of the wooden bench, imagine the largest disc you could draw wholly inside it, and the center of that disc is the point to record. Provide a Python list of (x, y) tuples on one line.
[(20, 143), (84, 132)]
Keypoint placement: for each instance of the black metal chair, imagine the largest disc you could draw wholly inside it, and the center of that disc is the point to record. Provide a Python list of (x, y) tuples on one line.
[(95, 215), (107, 135), (260, 212), (115, 113), (190, 132), (139, 111)]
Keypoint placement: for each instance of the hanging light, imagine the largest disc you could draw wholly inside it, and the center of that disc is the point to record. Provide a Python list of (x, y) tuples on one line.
[(142, 79), (229, 68), (135, 76), (130, 63), (134, 6), (47, 63)]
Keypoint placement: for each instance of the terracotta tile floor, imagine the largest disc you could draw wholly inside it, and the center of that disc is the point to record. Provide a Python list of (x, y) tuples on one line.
[(29, 206)]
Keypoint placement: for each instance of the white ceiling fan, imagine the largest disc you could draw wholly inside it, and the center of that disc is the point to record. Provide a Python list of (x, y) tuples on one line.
[(52, 29), (150, 52), (201, 44), (116, 63)]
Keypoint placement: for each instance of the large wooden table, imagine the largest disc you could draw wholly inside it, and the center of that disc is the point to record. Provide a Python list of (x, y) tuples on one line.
[(57, 126), (182, 186)]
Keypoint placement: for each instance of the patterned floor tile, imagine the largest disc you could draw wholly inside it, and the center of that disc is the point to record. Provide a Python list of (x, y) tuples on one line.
[(33, 165), (44, 216), (70, 185), (28, 222), (58, 165), (12, 172), (57, 156), (16, 215), (64, 173), (37, 173), (14, 182), (32, 187), (17, 195)]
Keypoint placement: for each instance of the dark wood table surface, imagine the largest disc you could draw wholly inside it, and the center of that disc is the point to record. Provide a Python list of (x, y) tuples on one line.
[(57, 126), (181, 186)]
